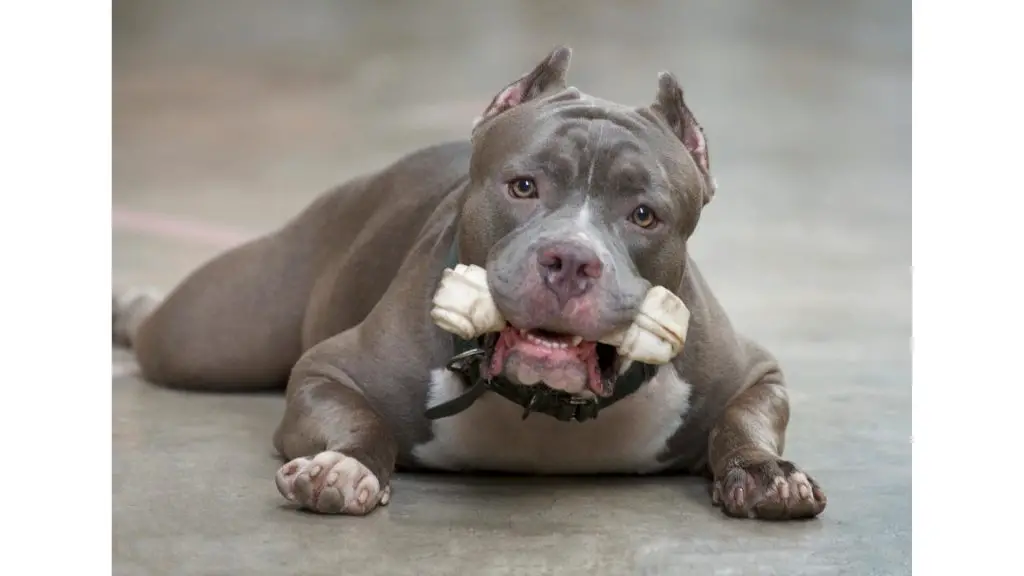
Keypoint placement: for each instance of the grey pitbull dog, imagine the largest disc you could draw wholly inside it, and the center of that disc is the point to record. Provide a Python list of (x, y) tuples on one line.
[(575, 206)]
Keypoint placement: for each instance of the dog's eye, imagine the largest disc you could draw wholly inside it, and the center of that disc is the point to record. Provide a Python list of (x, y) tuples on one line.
[(643, 217), (522, 188)]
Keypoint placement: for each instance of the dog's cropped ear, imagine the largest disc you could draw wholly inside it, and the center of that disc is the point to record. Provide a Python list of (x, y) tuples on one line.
[(548, 76), (670, 105)]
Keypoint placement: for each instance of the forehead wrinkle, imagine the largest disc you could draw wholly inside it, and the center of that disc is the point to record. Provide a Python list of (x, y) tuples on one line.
[(624, 117), (608, 146), (551, 155), (593, 155), (550, 163), (558, 154), (629, 168), (630, 175)]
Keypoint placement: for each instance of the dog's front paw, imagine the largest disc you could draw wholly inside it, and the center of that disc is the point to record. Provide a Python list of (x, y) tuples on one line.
[(332, 483), (770, 490)]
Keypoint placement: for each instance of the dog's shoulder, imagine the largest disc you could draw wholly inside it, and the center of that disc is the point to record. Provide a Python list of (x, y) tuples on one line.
[(715, 353)]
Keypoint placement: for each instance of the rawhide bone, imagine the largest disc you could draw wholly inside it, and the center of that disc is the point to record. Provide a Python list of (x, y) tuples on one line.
[(463, 306)]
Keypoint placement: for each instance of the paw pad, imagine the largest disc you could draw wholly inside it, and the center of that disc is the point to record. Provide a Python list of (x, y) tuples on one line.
[(331, 483), (772, 490)]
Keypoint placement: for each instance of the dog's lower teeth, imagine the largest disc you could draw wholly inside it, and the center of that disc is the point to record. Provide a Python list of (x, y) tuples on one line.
[(556, 344), (540, 341)]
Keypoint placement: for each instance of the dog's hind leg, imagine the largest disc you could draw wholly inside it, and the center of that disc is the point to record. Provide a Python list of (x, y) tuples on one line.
[(234, 323)]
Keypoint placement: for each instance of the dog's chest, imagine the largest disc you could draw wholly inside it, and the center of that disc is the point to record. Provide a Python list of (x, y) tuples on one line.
[(627, 437)]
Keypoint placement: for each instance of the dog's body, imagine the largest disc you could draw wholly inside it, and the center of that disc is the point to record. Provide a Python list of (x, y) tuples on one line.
[(556, 196)]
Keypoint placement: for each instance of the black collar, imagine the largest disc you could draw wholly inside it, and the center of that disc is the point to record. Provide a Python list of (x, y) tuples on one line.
[(561, 405)]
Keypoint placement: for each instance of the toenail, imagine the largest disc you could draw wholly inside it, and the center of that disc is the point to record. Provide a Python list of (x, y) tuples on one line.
[(364, 494), (332, 478), (805, 492), (315, 470)]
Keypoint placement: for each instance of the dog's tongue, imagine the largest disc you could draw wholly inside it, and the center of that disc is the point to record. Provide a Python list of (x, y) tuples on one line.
[(585, 352), (594, 381)]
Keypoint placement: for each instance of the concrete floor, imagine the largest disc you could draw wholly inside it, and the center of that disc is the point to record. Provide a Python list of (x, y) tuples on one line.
[(231, 116)]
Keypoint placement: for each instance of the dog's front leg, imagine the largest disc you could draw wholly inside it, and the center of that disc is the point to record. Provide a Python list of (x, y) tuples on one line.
[(340, 451), (751, 480)]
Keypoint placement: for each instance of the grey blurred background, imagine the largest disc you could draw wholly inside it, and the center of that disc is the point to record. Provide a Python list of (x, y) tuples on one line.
[(231, 115)]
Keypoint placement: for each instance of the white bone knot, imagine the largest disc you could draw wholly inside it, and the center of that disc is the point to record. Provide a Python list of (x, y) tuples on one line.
[(463, 306)]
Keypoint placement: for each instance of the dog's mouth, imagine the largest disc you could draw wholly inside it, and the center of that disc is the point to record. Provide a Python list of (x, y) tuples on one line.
[(563, 362)]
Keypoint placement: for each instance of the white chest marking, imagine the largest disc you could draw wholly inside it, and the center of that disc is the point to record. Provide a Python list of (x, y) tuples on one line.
[(627, 437)]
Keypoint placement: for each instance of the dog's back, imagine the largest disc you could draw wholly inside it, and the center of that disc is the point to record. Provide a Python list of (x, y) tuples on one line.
[(317, 275)]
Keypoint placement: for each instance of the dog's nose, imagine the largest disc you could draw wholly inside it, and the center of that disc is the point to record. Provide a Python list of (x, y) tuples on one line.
[(569, 269)]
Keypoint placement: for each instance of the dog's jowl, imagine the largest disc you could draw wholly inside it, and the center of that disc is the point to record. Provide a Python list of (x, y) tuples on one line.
[(581, 337)]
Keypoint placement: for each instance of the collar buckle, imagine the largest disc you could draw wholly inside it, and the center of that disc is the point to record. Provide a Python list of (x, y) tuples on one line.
[(464, 360)]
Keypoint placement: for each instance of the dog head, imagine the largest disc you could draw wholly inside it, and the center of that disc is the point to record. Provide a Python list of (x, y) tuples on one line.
[(577, 206)]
